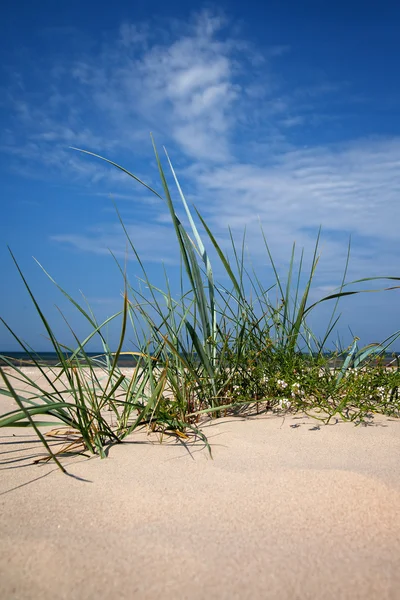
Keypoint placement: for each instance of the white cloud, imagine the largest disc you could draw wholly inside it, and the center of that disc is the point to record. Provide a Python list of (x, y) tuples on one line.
[(153, 240), (348, 190), (132, 34), (293, 121), (181, 82)]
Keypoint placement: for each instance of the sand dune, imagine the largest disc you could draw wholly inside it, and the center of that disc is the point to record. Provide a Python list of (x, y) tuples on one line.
[(285, 510)]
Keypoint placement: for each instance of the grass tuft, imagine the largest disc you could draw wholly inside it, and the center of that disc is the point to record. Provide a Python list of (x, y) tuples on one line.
[(216, 350)]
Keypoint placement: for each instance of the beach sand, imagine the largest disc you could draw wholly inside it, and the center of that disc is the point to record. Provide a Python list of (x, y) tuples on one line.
[(285, 510)]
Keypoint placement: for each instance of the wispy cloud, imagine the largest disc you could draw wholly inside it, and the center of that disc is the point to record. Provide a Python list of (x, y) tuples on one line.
[(351, 187), (350, 190), (195, 84), (153, 240), (184, 87)]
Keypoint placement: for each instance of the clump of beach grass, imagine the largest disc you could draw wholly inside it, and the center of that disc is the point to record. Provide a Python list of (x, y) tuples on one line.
[(215, 350)]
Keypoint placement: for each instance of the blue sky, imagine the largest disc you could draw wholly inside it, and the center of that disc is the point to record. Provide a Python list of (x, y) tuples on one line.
[(281, 112)]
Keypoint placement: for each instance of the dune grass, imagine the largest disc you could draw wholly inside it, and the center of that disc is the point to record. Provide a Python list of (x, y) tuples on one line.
[(213, 350)]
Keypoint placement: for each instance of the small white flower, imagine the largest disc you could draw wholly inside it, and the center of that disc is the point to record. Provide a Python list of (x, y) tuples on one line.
[(381, 391), (284, 403), (297, 390), (281, 384)]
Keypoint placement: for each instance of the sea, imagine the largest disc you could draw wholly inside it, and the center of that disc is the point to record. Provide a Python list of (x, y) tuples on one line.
[(51, 359)]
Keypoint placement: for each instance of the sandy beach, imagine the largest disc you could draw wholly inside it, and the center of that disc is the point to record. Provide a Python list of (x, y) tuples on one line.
[(286, 509)]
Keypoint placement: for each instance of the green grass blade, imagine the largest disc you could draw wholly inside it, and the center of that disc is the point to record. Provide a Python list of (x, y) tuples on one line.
[(28, 417)]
